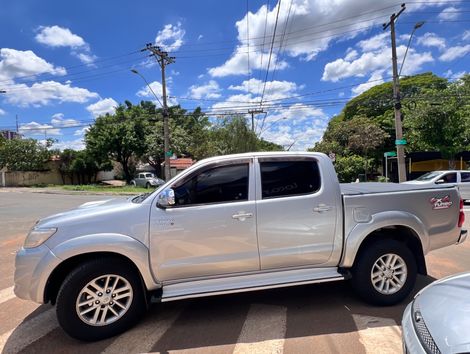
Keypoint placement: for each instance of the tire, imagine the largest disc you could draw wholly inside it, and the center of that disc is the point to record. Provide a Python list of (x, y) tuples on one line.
[(133, 184), (371, 274), (72, 290), (147, 185)]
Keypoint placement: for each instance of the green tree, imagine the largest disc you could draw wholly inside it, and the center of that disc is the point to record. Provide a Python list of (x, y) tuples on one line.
[(119, 136), (349, 167), (23, 155)]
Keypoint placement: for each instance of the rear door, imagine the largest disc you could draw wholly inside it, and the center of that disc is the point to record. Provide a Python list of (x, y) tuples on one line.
[(296, 213)]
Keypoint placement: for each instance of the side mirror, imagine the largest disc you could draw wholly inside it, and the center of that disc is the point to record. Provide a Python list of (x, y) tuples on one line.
[(166, 198), (440, 181)]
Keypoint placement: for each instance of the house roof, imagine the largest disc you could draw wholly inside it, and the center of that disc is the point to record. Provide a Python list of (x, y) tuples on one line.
[(181, 163)]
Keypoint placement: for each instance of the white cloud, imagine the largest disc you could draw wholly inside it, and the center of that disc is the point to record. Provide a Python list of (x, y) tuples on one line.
[(170, 38), (466, 35), (2, 112), (432, 40), (17, 63), (208, 90), (85, 58), (102, 107), (81, 132), (453, 53), (77, 144), (55, 36), (42, 93), (237, 64), (34, 129), (253, 86), (450, 74), (449, 13), (157, 88), (58, 120), (297, 126), (376, 42), (351, 54), (375, 79), (372, 61)]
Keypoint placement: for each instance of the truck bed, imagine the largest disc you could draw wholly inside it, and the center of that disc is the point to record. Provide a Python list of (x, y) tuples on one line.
[(377, 187)]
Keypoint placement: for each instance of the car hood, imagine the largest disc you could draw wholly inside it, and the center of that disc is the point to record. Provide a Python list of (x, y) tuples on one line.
[(445, 309), (85, 210)]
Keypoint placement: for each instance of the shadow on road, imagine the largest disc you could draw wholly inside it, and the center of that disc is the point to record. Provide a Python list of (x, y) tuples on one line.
[(312, 310)]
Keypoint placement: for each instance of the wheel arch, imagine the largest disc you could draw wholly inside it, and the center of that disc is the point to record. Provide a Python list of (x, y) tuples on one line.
[(399, 226), (78, 250)]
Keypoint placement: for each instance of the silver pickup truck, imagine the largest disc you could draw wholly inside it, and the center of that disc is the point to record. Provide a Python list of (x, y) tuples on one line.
[(231, 224)]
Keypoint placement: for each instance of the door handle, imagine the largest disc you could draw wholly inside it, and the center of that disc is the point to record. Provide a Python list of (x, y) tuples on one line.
[(242, 216), (321, 208)]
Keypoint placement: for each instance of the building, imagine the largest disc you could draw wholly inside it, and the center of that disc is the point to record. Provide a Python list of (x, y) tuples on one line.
[(10, 135), (178, 165)]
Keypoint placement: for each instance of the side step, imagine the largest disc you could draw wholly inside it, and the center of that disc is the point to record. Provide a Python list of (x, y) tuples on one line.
[(251, 282)]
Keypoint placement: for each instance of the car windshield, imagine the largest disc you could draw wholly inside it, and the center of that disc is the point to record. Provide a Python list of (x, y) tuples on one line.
[(140, 198), (429, 176)]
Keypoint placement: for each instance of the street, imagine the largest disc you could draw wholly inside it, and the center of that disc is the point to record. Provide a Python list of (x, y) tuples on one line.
[(324, 318)]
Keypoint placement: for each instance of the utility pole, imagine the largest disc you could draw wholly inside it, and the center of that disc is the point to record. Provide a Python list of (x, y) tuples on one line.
[(163, 60), (399, 141), (253, 112), (17, 123)]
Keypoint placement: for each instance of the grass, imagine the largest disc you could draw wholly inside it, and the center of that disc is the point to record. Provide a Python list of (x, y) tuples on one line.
[(101, 188)]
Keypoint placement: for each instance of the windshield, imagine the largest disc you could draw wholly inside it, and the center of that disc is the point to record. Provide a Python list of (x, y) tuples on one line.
[(429, 176)]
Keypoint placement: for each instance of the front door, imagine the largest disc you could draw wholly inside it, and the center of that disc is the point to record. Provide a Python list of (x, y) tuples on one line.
[(211, 230), (296, 212)]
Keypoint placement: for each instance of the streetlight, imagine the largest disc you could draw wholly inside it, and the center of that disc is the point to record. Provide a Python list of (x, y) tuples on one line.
[(417, 25), (166, 132)]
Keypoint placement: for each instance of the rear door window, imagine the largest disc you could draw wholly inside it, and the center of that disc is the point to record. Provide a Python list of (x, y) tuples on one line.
[(285, 178), (465, 177)]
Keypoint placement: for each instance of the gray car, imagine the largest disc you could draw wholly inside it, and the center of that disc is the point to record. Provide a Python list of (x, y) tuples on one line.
[(438, 319), (147, 180)]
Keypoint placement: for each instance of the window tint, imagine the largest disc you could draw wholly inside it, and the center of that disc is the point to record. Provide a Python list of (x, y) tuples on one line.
[(214, 185), (465, 176), (148, 175), (141, 175), (286, 178), (450, 178)]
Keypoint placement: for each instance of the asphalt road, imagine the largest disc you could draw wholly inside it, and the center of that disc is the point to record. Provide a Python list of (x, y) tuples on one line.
[(324, 318)]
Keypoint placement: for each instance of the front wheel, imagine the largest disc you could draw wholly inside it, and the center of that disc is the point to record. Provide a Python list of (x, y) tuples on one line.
[(99, 299), (385, 272)]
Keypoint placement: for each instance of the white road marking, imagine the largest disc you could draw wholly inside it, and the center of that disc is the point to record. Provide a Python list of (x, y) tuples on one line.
[(142, 338), (28, 332), (6, 294), (264, 330), (378, 335)]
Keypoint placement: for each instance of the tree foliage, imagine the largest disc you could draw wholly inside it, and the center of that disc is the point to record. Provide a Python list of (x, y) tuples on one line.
[(23, 155)]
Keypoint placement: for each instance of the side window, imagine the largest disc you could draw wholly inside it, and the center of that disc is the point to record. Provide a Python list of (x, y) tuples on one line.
[(141, 175), (450, 178), (287, 178), (465, 176), (220, 184)]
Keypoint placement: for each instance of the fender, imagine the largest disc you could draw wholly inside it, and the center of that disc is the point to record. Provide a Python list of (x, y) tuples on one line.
[(124, 245), (380, 220)]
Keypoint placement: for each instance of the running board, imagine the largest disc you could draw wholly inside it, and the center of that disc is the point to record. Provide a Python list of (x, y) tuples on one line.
[(251, 282)]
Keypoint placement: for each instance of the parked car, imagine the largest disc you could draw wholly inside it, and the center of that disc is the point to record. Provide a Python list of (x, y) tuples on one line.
[(147, 180), (230, 224), (438, 319), (461, 179)]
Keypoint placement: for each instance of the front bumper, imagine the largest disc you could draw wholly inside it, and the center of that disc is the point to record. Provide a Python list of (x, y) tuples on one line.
[(411, 342), (33, 267)]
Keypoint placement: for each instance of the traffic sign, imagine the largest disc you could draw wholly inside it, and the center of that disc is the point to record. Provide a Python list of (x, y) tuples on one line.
[(390, 154), (400, 142)]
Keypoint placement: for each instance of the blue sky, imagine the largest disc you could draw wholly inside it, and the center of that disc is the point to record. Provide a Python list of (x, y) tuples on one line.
[(63, 63)]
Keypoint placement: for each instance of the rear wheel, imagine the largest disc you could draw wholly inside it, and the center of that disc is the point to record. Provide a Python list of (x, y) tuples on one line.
[(147, 185), (384, 273), (99, 299)]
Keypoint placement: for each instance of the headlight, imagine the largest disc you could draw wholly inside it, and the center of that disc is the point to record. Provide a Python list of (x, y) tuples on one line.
[(38, 236)]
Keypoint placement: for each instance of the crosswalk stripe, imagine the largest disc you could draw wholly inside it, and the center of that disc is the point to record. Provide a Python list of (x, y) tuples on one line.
[(6, 294), (28, 332), (264, 330), (142, 338), (378, 335)]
